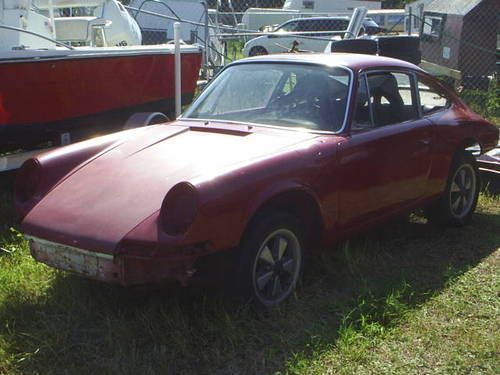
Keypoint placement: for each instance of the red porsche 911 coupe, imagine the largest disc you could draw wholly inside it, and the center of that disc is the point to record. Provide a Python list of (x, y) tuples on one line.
[(277, 156)]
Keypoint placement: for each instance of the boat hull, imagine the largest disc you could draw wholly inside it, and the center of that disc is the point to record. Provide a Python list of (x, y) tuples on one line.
[(54, 93)]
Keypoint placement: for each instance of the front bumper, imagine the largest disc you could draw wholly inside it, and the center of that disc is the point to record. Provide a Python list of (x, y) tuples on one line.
[(89, 264), (120, 269)]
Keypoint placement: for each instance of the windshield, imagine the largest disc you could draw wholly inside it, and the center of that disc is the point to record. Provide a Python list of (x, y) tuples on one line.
[(288, 95)]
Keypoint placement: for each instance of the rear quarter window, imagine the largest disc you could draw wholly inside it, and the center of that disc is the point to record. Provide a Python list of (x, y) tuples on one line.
[(432, 98)]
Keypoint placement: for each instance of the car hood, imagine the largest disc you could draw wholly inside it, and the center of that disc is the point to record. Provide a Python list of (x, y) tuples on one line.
[(100, 202)]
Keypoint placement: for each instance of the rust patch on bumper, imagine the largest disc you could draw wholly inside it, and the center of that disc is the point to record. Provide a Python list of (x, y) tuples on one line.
[(89, 264)]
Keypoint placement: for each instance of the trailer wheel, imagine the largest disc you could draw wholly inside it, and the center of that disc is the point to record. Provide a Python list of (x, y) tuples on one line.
[(140, 119)]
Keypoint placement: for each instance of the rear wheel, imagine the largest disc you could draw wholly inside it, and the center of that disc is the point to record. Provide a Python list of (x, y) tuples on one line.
[(271, 259), (459, 200), (257, 51)]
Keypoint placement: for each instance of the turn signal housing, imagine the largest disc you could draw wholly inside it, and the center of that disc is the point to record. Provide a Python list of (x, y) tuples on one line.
[(179, 209)]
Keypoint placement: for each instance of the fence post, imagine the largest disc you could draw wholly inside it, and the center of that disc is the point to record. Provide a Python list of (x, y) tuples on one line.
[(51, 16), (207, 37), (177, 68), (410, 20)]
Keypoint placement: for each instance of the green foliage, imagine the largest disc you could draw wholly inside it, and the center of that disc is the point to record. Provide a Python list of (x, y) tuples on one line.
[(485, 102)]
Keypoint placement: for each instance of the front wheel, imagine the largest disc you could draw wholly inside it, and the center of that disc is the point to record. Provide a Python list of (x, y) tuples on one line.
[(459, 200), (271, 259), (257, 51)]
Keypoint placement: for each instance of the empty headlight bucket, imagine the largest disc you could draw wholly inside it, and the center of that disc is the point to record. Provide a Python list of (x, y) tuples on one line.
[(28, 180), (179, 208)]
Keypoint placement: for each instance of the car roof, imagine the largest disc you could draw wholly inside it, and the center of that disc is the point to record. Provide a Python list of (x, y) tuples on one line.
[(355, 61)]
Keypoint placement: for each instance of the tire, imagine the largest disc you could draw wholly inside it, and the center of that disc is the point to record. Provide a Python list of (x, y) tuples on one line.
[(459, 200), (257, 51), (271, 259)]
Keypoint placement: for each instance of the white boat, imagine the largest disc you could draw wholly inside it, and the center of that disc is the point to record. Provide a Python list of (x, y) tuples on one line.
[(51, 92)]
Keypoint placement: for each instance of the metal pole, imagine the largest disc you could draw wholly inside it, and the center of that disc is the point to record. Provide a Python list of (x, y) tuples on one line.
[(410, 20), (177, 69), (207, 38), (51, 16), (421, 17)]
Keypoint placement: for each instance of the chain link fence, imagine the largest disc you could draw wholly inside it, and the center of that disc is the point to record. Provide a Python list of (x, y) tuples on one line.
[(456, 40)]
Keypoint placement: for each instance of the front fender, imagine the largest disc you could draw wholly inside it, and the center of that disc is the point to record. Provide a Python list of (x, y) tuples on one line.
[(259, 41), (54, 166)]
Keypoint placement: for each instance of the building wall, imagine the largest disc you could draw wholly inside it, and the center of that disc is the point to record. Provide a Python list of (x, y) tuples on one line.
[(445, 51), (467, 43), (479, 35)]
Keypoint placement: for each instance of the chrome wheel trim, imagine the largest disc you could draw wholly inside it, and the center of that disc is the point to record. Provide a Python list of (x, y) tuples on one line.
[(276, 267), (462, 191)]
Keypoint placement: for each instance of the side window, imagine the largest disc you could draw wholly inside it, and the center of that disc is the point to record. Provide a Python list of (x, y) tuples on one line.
[(303, 25), (337, 25), (432, 27), (362, 117), (392, 98), (315, 25), (290, 26), (431, 99)]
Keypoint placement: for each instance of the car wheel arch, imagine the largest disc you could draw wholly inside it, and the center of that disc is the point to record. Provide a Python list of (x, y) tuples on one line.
[(258, 48), (300, 202), (470, 144)]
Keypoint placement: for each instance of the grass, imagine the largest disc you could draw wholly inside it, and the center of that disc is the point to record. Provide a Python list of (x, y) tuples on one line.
[(405, 298)]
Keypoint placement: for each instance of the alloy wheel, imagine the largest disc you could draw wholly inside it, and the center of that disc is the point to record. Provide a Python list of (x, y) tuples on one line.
[(277, 267), (462, 191)]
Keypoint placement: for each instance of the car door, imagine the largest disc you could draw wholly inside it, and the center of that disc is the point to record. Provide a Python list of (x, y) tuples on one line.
[(281, 41), (386, 160), (316, 41)]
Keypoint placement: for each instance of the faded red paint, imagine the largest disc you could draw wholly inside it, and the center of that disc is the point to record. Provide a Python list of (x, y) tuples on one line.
[(73, 87), (104, 195)]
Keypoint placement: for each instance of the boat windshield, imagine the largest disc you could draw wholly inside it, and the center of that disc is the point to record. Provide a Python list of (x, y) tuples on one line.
[(278, 94)]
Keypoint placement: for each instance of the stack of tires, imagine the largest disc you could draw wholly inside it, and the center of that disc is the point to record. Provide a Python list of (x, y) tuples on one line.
[(402, 47)]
